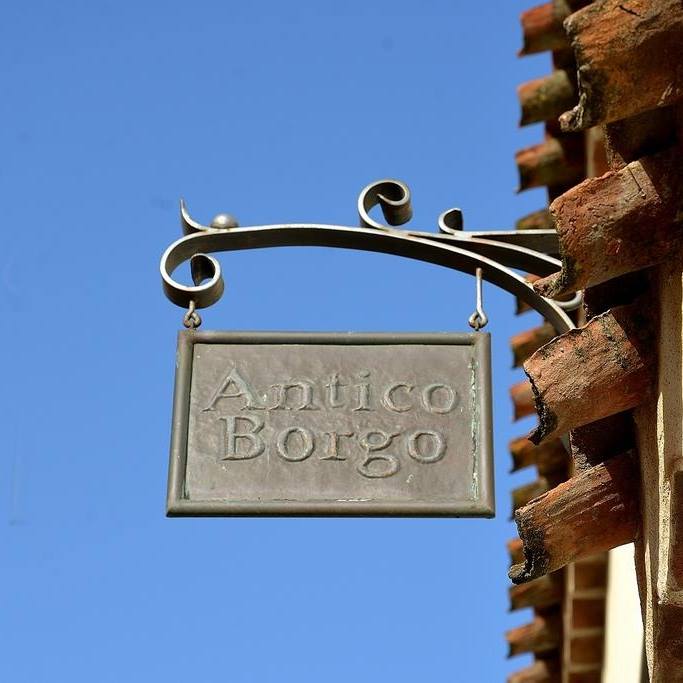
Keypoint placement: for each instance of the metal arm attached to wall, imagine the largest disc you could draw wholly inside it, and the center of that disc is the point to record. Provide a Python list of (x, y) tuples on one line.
[(497, 253)]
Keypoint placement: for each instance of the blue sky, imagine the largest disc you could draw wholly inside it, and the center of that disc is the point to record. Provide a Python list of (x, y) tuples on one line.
[(274, 112)]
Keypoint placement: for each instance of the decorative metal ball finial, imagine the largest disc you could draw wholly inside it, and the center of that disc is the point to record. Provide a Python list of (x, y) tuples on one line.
[(224, 221)]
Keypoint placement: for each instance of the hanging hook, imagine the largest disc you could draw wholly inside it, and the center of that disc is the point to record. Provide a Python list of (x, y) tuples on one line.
[(192, 319), (478, 319)]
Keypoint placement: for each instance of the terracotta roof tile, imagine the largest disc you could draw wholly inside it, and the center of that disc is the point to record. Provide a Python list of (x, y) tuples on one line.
[(522, 399), (542, 635), (542, 28), (541, 671), (538, 220), (525, 343), (600, 440), (522, 306), (514, 546), (550, 457), (590, 513), (546, 591), (546, 98), (551, 163), (630, 71), (629, 57), (639, 136), (522, 495), (592, 372), (600, 223)]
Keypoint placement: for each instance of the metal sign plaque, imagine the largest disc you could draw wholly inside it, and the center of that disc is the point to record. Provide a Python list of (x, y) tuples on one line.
[(331, 424)]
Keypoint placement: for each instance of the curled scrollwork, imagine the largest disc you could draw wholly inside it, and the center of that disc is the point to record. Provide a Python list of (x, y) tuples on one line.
[(208, 282), (206, 274), (451, 222), (495, 254), (393, 197)]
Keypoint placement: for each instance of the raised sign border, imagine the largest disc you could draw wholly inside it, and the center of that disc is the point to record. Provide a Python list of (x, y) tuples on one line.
[(179, 506)]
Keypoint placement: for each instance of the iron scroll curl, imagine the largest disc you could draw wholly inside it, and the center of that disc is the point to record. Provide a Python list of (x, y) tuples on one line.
[(497, 253)]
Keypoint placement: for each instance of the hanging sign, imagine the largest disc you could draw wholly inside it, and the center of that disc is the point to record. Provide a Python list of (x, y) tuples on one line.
[(331, 424), (342, 424)]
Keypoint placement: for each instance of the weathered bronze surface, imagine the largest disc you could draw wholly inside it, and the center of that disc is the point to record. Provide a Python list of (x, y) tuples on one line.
[(331, 424)]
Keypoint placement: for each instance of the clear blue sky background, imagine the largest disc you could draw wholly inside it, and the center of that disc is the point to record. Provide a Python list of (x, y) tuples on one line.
[(276, 112)]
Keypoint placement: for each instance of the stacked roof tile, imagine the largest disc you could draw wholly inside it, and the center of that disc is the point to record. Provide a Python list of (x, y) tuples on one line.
[(612, 162)]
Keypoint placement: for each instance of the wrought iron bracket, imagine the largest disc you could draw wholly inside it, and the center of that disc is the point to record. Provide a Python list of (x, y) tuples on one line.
[(497, 253)]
